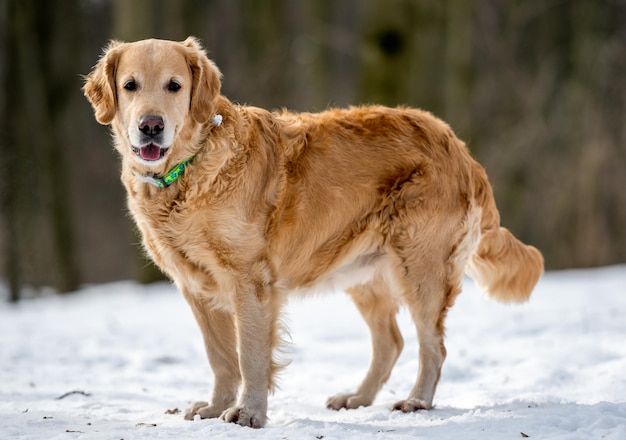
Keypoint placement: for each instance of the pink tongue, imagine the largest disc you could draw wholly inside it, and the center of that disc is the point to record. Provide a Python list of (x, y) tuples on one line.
[(150, 152)]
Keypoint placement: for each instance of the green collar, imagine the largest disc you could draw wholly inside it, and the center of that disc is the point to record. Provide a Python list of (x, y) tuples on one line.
[(171, 176)]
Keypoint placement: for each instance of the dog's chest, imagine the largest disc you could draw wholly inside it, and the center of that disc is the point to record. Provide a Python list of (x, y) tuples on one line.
[(213, 240)]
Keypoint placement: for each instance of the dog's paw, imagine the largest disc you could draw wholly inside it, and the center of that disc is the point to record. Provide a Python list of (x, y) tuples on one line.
[(348, 401), (245, 416), (204, 410), (411, 405)]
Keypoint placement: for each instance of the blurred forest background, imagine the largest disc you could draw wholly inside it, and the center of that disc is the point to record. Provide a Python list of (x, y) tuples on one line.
[(535, 87)]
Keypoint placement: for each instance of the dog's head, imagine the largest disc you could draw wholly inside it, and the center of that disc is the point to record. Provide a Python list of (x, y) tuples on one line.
[(151, 91)]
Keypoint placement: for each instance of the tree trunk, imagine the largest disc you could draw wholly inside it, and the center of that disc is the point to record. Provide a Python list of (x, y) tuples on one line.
[(40, 238), (9, 151)]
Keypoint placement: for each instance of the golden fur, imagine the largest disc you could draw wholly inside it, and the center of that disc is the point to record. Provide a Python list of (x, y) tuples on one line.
[(385, 203)]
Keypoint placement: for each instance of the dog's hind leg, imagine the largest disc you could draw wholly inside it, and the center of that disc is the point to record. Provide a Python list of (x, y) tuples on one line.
[(220, 340), (435, 285), (379, 310), (427, 314)]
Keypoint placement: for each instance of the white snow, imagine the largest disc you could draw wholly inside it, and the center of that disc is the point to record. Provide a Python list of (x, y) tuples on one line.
[(554, 368)]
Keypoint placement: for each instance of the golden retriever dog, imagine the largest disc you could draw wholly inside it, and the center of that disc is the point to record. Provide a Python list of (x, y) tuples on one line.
[(241, 206)]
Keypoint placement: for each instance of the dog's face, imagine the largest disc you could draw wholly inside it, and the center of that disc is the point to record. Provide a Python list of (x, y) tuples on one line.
[(153, 92)]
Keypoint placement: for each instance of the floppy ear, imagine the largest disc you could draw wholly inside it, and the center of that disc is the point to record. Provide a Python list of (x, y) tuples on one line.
[(99, 86), (206, 85)]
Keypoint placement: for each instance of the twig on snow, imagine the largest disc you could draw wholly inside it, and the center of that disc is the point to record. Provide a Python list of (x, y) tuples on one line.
[(82, 393)]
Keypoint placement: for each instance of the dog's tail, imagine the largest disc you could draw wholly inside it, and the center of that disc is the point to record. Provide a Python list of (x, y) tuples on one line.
[(502, 266)]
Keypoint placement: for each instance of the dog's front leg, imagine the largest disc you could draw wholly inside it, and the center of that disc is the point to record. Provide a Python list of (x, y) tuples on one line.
[(220, 339), (255, 320)]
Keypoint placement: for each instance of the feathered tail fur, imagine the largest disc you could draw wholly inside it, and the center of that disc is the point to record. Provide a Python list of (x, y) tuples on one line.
[(502, 266)]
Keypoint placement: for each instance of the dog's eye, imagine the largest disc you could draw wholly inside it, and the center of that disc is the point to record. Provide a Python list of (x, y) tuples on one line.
[(130, 86), (173, 86)]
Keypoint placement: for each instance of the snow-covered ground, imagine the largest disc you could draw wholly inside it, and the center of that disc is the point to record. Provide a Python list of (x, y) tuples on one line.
[(112, 362)]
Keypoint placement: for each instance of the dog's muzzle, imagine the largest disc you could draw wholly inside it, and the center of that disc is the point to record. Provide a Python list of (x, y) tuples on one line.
[(151, 128)]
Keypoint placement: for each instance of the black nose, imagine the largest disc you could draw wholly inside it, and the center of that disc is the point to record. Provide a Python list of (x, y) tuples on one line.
[(151, 125)]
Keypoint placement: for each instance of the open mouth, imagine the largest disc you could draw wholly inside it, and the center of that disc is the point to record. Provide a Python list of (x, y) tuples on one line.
[(150, 152)]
